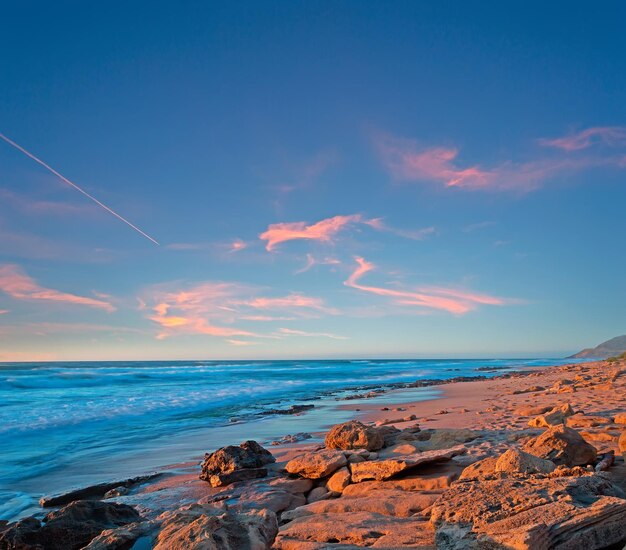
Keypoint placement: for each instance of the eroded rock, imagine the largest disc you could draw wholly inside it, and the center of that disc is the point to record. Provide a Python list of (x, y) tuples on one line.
[(354, 435), (536, 513), (70, 528), (515, 461), (316, 465), (235, 463), (386, 469), (562, 445)]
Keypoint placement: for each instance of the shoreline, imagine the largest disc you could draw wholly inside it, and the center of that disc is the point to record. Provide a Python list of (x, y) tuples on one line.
[(459, 422)]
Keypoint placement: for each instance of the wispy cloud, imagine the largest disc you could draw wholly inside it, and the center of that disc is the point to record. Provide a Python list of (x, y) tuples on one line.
[(324, 230), (39, 207), (406, 160), (416, 235), (293, 332), (18, 285), (450, 300), (477, 226), (312, 261), (216, 308), (303, 174), (237, 245), (4, 311), (608, 135)]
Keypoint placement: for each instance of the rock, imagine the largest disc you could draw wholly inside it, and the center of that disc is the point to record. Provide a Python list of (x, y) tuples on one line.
[(354, 435), (319, 493), (339, 480), (621, 443), (620, 418), (516, 461), (434, 481), (122, 538), (70, 528), (385, 469), (117, 492), (539, 513), (316, 465), (294, 409), (300, 436), (235, 463), (532, 410), (353, 528), (480, 468), (562, 445), (586, 421), (94, 491), (203, 527), (553, 417), (445, 438), (391, 502)]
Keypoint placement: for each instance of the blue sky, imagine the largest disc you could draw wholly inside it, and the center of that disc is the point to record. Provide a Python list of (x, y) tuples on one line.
[(325, 179)]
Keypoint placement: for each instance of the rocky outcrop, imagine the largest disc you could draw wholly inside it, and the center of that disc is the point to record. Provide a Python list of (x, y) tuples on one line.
[(622, 443), (354, 435), (537, 513), (204, 527), (562, 445), (323, 531), (316, 465), (480, 468), (70, 528), (386, 469), (235, 463)]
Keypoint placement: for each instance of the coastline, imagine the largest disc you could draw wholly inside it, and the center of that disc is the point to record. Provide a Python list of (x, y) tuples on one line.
[(482, 418)]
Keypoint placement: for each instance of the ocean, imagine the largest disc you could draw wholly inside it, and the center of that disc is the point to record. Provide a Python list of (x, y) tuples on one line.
[(67, 425)]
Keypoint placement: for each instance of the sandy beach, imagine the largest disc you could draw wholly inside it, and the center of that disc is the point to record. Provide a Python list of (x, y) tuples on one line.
[(462, 470)]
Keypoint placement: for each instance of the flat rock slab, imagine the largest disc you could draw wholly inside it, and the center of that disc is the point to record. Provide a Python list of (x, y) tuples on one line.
[(385, 469), (390, 502), (354, 528), (534, 513)]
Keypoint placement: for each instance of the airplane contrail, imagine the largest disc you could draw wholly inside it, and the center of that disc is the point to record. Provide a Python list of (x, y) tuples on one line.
[(64, 179)]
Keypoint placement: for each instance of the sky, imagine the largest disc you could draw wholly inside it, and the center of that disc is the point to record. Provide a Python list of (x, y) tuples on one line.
[(323, 179)]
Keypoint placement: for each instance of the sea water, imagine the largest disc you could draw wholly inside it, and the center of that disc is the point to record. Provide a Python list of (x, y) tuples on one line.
[(66, 425)]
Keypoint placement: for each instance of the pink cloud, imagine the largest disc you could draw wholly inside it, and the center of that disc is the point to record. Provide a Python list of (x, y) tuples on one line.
[(215, 308), (4, 311), (240, 342), (292, 301), (453, 301), (293, 332), (609, 135), (20, 286), (311, 261), (407, 161), (237, 245), (324, 230)]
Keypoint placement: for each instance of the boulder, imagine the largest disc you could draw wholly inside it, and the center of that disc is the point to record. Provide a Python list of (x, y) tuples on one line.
[(620, 418), (317, 494), (205, 527), (316, 465), (480, 468), (354, 435), (561, 445), (70, 528), (339, 480), (622, 443), (539, 513), (386, 469), (515, 461), (235, 463), (553, 417)]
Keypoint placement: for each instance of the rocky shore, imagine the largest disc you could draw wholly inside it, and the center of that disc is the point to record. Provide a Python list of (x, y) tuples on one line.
[(532, 460)]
